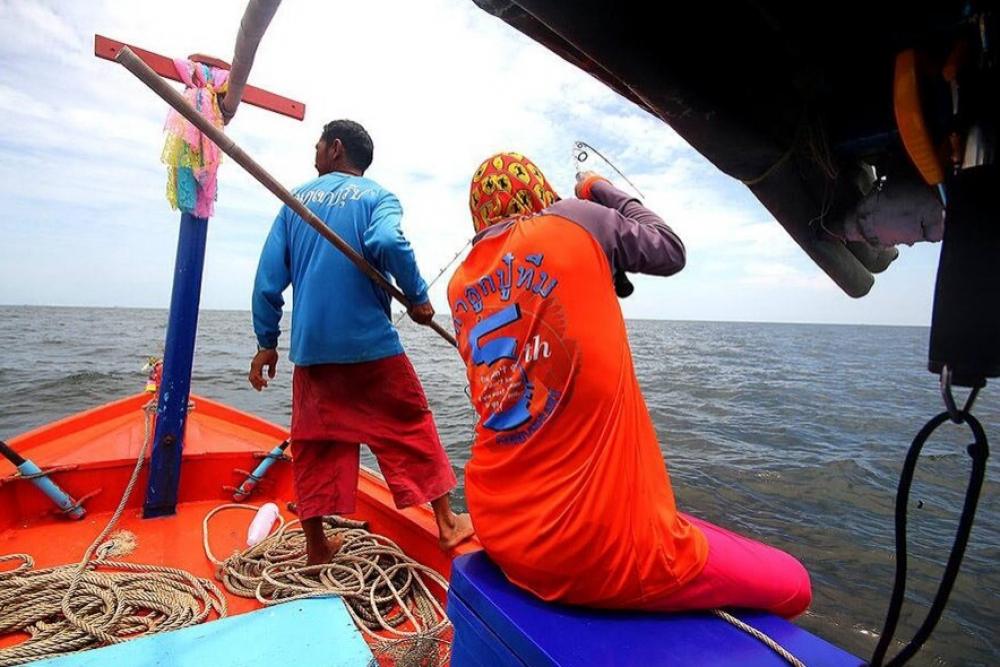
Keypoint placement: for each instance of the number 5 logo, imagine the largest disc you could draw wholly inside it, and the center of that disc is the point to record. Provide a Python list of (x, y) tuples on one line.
[(489, 353)]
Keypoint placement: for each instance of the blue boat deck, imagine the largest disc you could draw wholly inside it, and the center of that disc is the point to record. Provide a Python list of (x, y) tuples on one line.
[(500, 625), (303, 632)]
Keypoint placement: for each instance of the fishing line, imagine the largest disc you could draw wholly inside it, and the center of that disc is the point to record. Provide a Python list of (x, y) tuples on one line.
[(458, 254), (581, 153)]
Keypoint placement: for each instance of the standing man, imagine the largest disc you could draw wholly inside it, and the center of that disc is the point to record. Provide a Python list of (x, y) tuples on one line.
[(352, 382)]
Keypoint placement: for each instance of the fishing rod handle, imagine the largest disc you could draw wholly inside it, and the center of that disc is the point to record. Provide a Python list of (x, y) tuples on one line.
[(8, 453)]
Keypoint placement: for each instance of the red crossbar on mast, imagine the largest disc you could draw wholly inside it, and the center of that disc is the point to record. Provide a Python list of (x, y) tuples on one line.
[(108, 48)]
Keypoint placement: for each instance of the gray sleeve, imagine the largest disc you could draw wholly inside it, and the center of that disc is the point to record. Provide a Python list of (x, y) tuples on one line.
[(635, 239)]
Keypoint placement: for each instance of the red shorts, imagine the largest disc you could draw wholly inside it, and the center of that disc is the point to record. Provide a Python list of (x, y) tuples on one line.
[(338, 407)]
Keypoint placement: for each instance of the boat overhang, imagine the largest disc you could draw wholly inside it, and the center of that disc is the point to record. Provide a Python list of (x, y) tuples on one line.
[(795, 100)]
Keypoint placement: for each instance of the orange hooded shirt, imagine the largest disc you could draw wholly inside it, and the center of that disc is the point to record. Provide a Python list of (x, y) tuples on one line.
[(566, 484)]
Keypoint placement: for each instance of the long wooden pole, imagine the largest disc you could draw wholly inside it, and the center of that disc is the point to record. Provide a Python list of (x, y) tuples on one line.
[(144, 73)]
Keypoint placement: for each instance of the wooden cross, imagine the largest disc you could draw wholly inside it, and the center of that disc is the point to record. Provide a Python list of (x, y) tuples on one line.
[(108, 48)]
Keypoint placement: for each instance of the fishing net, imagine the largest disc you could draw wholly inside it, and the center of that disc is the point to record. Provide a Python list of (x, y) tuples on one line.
[(424, 651)]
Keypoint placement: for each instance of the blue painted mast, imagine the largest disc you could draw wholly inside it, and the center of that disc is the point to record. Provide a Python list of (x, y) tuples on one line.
[(182, 323), (178, 360)]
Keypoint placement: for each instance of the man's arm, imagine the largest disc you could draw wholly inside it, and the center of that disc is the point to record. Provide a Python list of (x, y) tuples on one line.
[(273, 277), (635, 238), (386, 244)]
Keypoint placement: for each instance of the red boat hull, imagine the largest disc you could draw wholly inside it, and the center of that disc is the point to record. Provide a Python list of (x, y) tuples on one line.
[(95, 451)]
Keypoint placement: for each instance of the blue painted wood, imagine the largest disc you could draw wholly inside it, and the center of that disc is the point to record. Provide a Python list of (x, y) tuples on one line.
[(542, 634), (250, 483), (477, 646), (178, 358), (47, 486), (304, 632)]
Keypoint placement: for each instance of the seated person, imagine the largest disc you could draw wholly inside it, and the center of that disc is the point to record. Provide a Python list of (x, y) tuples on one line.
[(566, 484)]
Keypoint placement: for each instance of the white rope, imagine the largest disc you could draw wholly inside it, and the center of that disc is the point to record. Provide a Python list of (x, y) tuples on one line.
[(382, 587), (757, 634), (99, 601)]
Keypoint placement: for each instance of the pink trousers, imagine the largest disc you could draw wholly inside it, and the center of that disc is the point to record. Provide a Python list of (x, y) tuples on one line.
[(741, 572)]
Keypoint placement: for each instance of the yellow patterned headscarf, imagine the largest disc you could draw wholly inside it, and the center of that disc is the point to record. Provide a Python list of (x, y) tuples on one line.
[(507, 185)]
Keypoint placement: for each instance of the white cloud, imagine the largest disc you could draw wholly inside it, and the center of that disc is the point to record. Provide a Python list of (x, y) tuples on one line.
[(772, 274), (38, 25), (440, 85), (13, 101)]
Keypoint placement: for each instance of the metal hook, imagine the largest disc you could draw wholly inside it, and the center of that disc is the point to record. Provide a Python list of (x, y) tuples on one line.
[(956, 415)]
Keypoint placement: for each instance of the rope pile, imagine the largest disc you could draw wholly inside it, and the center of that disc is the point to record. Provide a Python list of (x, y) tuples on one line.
[(99, 601), (64, 610), (387, 593)]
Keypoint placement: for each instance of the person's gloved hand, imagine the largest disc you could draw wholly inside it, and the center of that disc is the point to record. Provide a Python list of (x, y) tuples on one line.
[(585, 181)]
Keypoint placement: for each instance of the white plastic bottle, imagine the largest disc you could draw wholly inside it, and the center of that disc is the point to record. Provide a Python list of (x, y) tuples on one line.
[(261, 525)]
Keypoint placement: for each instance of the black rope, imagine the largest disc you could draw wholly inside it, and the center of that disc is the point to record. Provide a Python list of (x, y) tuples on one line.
[(979, 451)]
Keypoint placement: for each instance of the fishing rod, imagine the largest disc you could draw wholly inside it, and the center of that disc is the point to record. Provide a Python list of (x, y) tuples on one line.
[(581, 153), (144, 73), (27, 469), (243, 491), (458, 254)]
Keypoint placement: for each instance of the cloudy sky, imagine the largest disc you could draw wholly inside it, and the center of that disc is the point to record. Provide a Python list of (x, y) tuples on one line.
[(438, 83)]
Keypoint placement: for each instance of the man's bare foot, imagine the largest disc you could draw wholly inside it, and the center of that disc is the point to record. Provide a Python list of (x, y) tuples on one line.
[(324, 554), (456, 531)]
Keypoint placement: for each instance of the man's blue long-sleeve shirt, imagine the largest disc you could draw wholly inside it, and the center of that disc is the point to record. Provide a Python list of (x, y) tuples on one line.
[(339, 315)]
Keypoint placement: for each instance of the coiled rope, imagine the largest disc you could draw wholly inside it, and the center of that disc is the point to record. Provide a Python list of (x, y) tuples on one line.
[(387, 593), (99, 601)]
